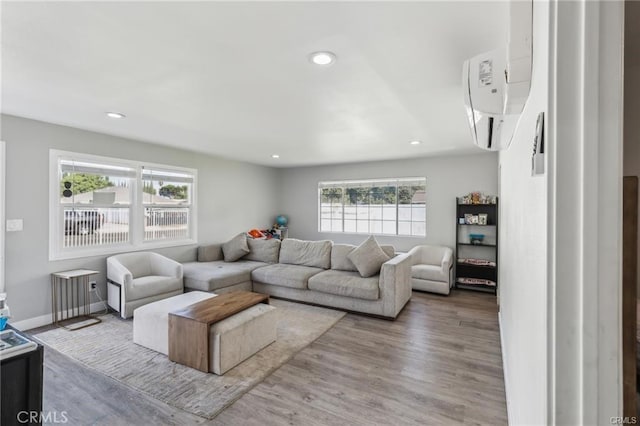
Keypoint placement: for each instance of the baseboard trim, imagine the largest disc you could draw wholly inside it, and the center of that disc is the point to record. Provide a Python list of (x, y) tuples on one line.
[(46, 319), (505, 372)]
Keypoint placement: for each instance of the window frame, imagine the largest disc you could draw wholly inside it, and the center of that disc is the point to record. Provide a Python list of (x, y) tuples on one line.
[(136, 208), (345, 184)]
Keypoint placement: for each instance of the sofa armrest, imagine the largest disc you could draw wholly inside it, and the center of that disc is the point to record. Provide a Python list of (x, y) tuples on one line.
[(117, 273), (395, 284), (209, 253), (447, 260), (416, 255), (166, 267)]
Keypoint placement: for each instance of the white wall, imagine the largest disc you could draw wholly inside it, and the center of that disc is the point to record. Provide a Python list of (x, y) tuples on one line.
[(2, 220), (585, 212), (447, 178), (632, 96), (523, 252), (221, 183)]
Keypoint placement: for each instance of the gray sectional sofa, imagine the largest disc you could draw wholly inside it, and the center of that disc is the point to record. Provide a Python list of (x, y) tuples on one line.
[(317, 272)]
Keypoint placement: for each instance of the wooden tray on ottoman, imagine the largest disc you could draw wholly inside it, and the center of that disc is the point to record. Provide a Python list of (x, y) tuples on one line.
[(189, 327)]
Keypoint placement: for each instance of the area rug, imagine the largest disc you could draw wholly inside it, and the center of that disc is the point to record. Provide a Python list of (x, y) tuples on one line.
[(108, 348)]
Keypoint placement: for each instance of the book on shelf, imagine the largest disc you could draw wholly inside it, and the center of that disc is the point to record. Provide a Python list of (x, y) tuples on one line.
[(13, 344), (476, 281), (476, 262)]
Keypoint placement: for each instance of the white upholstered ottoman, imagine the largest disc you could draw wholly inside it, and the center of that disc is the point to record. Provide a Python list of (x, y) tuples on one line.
[(238, 337), (231, 340), (151, 321)]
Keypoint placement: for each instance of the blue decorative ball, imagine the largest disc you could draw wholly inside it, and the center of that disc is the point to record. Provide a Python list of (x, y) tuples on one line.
[(282, 220)]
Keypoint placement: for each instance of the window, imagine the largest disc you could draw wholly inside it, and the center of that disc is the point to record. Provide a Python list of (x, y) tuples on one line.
[(166, 196), (383, 207), (103, 205)]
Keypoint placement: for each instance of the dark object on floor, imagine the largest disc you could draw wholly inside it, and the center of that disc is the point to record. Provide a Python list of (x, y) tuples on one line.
[(21, 387)]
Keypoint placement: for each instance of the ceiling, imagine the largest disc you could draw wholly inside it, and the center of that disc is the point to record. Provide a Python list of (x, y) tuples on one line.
[(234, 79)]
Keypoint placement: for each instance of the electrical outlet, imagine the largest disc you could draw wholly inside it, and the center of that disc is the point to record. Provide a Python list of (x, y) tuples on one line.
[(93, 285)]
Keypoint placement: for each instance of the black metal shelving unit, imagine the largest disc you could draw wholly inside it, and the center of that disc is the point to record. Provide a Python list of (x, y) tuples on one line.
[(487, 250)]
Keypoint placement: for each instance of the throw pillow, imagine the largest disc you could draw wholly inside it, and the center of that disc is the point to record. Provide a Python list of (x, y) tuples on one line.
[(235, 248), (306, 253), (368, 257), (266, 251)]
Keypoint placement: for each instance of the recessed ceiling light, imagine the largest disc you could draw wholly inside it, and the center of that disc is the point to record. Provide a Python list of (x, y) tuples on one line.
[(322, 58), (415, 142), (275, 156), (115, 115)]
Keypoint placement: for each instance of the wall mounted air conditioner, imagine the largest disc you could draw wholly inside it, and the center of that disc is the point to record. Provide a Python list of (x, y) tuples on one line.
[(496, 84)]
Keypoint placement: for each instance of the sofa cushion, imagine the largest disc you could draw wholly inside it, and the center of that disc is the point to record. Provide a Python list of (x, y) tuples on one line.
[(388, 250), (235, 248), (209, 253), (368, 257), (267, 251), (429, 272), (346, 283), (294, 276), (209, 276), (152, 285), (306, 253), (340, 261)]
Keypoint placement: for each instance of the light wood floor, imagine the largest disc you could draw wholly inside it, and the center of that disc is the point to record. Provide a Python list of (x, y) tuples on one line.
[(438, 363)]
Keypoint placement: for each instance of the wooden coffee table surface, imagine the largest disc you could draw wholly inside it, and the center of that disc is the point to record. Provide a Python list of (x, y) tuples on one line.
[(220, 307), (189, 327)]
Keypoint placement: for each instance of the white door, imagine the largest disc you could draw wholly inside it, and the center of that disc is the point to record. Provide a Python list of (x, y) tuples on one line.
[(2, 219)]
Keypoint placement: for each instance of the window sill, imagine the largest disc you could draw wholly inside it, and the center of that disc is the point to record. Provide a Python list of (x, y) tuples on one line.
[(104, 251)]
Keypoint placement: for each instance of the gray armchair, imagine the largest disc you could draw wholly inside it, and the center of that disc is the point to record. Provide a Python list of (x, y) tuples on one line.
[(432, 268), (135, 279)]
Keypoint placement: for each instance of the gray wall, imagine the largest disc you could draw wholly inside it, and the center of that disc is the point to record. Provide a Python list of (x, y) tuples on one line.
[(232, 197), (632, 96), (447, 178)]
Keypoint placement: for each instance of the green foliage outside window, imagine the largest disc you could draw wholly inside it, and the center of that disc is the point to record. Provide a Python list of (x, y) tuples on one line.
[(385, 195), (177, 192), (381, 195), (82, 182), (331, 195), (148, 188), (406, 193)]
